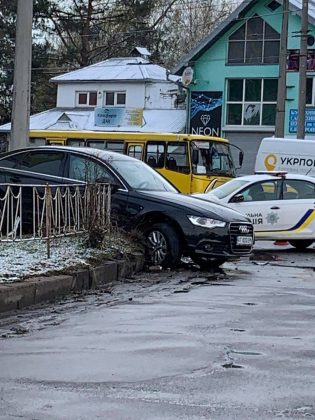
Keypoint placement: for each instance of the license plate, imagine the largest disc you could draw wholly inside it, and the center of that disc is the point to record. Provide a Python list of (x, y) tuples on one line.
[(244, 240)]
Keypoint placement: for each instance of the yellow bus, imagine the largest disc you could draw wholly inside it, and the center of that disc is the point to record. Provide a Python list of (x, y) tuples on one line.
[(193, 163)]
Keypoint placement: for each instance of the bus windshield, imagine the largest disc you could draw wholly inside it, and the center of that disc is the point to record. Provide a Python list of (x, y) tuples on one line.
[(214, 158)]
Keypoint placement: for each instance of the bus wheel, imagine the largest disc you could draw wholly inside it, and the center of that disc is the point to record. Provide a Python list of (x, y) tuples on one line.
[(162, 245), (301, 244), (207, 263)]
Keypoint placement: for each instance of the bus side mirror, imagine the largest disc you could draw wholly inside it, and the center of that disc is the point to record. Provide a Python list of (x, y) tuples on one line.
[(195, 156), (240, 155), (241, 158)]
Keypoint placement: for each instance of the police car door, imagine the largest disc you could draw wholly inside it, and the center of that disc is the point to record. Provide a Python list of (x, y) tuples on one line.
[(262, 204), (297, 208)]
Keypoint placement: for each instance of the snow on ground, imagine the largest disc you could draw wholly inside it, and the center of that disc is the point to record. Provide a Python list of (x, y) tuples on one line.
[(20, 260)]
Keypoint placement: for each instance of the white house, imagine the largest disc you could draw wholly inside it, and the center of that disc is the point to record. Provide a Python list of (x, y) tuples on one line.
[(118, 94)]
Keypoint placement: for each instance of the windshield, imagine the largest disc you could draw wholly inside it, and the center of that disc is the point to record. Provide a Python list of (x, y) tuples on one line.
[(214, 158), (228, 188), (140, 176)]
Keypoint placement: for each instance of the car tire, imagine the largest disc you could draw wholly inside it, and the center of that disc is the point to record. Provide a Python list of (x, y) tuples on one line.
[(301, 244), (206, 263), (162, 245)]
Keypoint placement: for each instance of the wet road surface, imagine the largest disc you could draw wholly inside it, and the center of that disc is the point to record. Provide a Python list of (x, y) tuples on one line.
[(236, 344)]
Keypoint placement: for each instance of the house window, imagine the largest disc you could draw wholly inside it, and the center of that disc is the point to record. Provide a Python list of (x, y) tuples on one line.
[(273, 5), (87, 98), (255, 42), (251, 102), (114, 98), (293, 60)]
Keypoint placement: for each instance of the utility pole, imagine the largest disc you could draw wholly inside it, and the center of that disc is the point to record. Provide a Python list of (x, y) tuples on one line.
[(302, 72), (22, 75), (282, 82)]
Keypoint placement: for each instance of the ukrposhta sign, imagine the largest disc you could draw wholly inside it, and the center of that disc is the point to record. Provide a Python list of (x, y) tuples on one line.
[(205, 113)]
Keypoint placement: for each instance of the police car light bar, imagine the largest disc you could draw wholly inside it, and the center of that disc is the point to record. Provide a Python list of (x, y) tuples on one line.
[(274, 173)]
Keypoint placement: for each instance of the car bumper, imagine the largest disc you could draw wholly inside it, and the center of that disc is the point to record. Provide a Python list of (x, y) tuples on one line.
[(224, 242)]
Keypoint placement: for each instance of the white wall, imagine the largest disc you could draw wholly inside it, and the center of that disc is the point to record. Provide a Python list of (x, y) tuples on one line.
[(160, 95), (66, 94)]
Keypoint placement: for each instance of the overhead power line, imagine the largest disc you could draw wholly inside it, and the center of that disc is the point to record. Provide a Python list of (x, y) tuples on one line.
[(139, 31)]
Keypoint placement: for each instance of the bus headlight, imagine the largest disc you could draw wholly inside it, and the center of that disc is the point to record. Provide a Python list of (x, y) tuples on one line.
[(206, 222)]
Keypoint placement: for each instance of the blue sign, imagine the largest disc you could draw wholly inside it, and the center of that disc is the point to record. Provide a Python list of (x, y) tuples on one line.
[(115, 116), (205, 113), (309, 120)]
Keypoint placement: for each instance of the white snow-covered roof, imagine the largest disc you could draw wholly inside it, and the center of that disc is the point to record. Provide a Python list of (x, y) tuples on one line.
[(143, 51), (131, 69), (154, 120), (296, 5)]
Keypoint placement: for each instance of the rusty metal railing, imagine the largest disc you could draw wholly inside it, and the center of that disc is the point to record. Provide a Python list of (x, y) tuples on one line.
[(46, 211)]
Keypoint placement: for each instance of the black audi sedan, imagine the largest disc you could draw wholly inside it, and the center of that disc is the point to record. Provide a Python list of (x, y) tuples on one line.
[(173, 224)]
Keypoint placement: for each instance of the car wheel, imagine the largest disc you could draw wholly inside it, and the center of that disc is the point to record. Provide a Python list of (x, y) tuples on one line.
[(162, 245), (206, 263), (301, 244)]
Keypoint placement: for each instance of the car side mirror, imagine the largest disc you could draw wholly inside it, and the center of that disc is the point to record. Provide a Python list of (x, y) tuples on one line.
[(103, 180), (195, 156), (114, 188), (238, 198)]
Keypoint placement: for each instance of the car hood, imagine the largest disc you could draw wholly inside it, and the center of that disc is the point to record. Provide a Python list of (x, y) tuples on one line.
[(208, 197), (196, 205)]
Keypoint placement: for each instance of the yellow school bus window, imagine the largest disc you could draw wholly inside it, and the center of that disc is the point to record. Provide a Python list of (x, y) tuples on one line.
[(177, 157), (116, 146), (155, 154), (135, 151), (37, 141), (76, 142), (96, 144)]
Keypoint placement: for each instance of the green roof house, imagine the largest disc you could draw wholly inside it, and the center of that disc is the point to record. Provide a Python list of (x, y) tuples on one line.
[(233, 91)]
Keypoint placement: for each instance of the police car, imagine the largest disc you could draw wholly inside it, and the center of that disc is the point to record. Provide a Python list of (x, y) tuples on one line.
[(280, 205)]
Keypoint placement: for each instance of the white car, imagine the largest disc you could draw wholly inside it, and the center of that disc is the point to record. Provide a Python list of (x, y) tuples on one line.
[(281, 206)]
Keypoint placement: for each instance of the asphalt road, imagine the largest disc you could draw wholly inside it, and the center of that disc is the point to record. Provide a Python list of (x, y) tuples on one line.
[(236, 344)]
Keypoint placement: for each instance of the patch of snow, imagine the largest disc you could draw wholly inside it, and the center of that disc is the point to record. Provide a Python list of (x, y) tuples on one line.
[(20, 260)]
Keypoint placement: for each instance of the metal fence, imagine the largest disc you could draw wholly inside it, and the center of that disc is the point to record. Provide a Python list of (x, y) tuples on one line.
[(45, 211)]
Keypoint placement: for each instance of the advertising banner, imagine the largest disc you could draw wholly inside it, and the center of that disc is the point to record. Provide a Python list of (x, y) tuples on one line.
[(309, 120), (205, 113), (115, 116)]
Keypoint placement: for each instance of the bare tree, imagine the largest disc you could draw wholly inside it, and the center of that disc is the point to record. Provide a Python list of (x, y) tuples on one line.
[(89, 30), (187, 23)]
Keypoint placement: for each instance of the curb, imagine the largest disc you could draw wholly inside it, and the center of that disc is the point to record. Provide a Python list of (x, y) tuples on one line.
[(28, 292)]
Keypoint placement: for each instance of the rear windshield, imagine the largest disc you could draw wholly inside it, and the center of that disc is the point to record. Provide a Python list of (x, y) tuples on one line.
[(140, 176)]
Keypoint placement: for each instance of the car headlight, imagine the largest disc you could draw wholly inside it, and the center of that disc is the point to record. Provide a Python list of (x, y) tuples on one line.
[(206, 222)]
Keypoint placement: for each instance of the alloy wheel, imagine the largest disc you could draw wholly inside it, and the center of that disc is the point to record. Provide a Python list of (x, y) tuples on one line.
[(157, 247)]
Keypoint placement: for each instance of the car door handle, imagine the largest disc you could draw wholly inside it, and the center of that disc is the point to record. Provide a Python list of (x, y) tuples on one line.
[(274, 208)]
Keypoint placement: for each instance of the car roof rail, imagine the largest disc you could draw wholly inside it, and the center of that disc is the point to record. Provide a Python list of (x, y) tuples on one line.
[(273, 173)]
